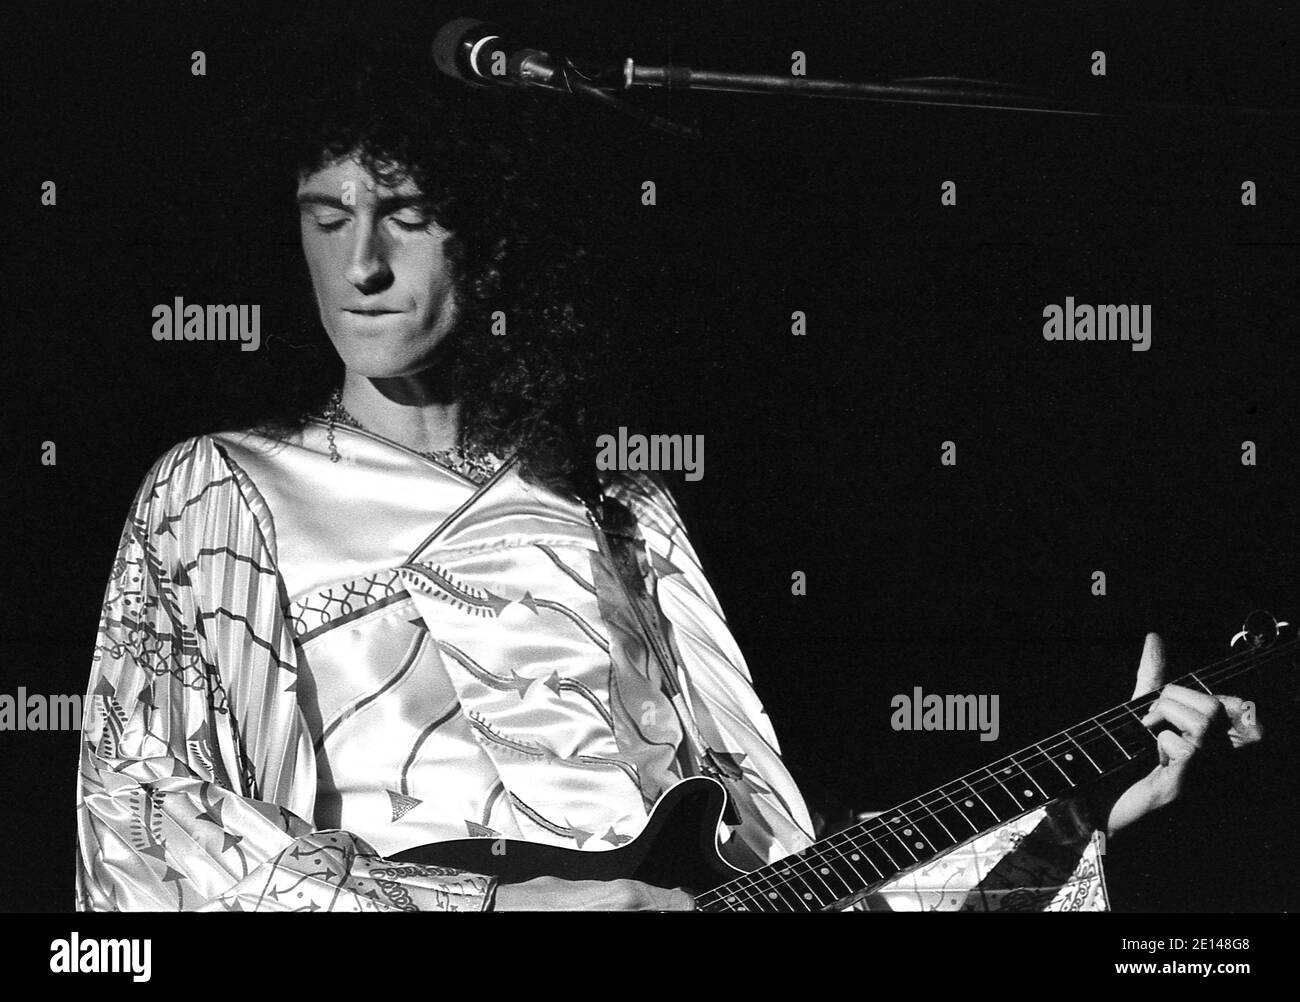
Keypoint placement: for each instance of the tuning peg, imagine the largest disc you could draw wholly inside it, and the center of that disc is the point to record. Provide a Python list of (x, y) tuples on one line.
[(1260, 628)]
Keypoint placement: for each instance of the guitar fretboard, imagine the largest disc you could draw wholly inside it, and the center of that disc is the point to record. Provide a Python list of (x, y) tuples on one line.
[(873, 852)]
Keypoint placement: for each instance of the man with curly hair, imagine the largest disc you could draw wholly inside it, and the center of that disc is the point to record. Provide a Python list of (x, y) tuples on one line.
[(404, 607)]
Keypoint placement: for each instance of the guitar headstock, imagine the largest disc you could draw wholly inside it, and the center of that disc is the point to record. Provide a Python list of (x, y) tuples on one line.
[(1261, 629), (1263, 637)]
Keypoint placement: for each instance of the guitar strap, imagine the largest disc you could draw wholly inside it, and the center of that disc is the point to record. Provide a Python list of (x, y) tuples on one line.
[(621, 542)]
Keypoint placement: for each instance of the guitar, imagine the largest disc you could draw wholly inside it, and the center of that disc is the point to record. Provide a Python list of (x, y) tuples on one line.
[(678, 846)]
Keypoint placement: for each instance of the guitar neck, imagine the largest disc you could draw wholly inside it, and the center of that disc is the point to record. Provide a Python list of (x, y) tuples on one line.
[(866, 855)]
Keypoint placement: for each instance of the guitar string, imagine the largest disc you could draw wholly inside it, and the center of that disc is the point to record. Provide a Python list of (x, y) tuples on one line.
[(879, 831), (786, 873), (756, 878), (758, 881), (779, 874)]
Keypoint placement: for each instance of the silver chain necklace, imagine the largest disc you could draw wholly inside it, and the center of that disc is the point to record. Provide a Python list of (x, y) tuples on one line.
[(473, 464)]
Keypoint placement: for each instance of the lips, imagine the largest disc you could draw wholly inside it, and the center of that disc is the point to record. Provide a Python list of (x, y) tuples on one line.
[(369, 312)]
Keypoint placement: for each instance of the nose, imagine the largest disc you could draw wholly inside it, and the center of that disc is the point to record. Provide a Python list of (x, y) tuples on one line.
[(367, 268)]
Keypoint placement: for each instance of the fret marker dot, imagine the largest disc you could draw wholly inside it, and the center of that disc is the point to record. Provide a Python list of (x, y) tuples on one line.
[(970, 803), (807, 895), (731, 900), (907, 831), (855, 857), (1069, 756), (1029, 793), (1006, 771), (824, 869), (772, 895)]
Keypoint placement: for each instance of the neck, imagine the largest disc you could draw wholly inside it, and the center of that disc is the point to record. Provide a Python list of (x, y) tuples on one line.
[(418, 412)]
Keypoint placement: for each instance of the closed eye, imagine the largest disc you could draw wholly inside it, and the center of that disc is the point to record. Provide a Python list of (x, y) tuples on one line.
[(410, 222), (329, 223)]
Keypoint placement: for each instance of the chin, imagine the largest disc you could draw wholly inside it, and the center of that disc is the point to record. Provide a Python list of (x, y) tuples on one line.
[(380, 362)]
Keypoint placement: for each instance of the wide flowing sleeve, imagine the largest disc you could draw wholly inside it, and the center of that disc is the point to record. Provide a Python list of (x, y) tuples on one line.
[(197, 775), (773, 820)]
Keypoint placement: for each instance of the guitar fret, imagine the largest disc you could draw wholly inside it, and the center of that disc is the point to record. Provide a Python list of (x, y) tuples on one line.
[(873, 845), (862, 856), (935, 815), (820, 868), (779, 887), (955, 805), (808, 897), (1046, 774), (912, 826), (736, 898), (1103, 748), (753, 901), (1017, 807), (851, 854), (1084, 751), (956, 802), (756, 895), (743, 896), (1051, 758), (889, 829), (1029, 794), (1105, 730), (826, 867), (970, 804), (774, 893), (937, 819), (821, 880)]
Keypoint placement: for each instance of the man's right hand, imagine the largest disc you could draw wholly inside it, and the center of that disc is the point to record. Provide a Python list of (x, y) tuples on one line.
[(548, 894)]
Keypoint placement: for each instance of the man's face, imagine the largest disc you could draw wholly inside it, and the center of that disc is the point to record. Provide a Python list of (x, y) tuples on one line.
[(382, 282)]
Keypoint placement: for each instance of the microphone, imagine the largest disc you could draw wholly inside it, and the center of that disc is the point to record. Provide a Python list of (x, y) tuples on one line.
[(479, 54)]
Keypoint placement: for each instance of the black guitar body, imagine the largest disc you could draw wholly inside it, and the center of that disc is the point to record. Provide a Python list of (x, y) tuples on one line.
[(678, 848)]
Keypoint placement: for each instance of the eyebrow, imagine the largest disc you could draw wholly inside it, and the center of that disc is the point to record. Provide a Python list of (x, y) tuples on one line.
[(387, 203)]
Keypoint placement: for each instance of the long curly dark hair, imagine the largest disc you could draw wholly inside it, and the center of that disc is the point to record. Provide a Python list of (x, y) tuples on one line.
[(497, 170)]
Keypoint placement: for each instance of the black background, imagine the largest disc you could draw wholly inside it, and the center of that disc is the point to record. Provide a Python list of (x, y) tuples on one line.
[(822, 452)]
